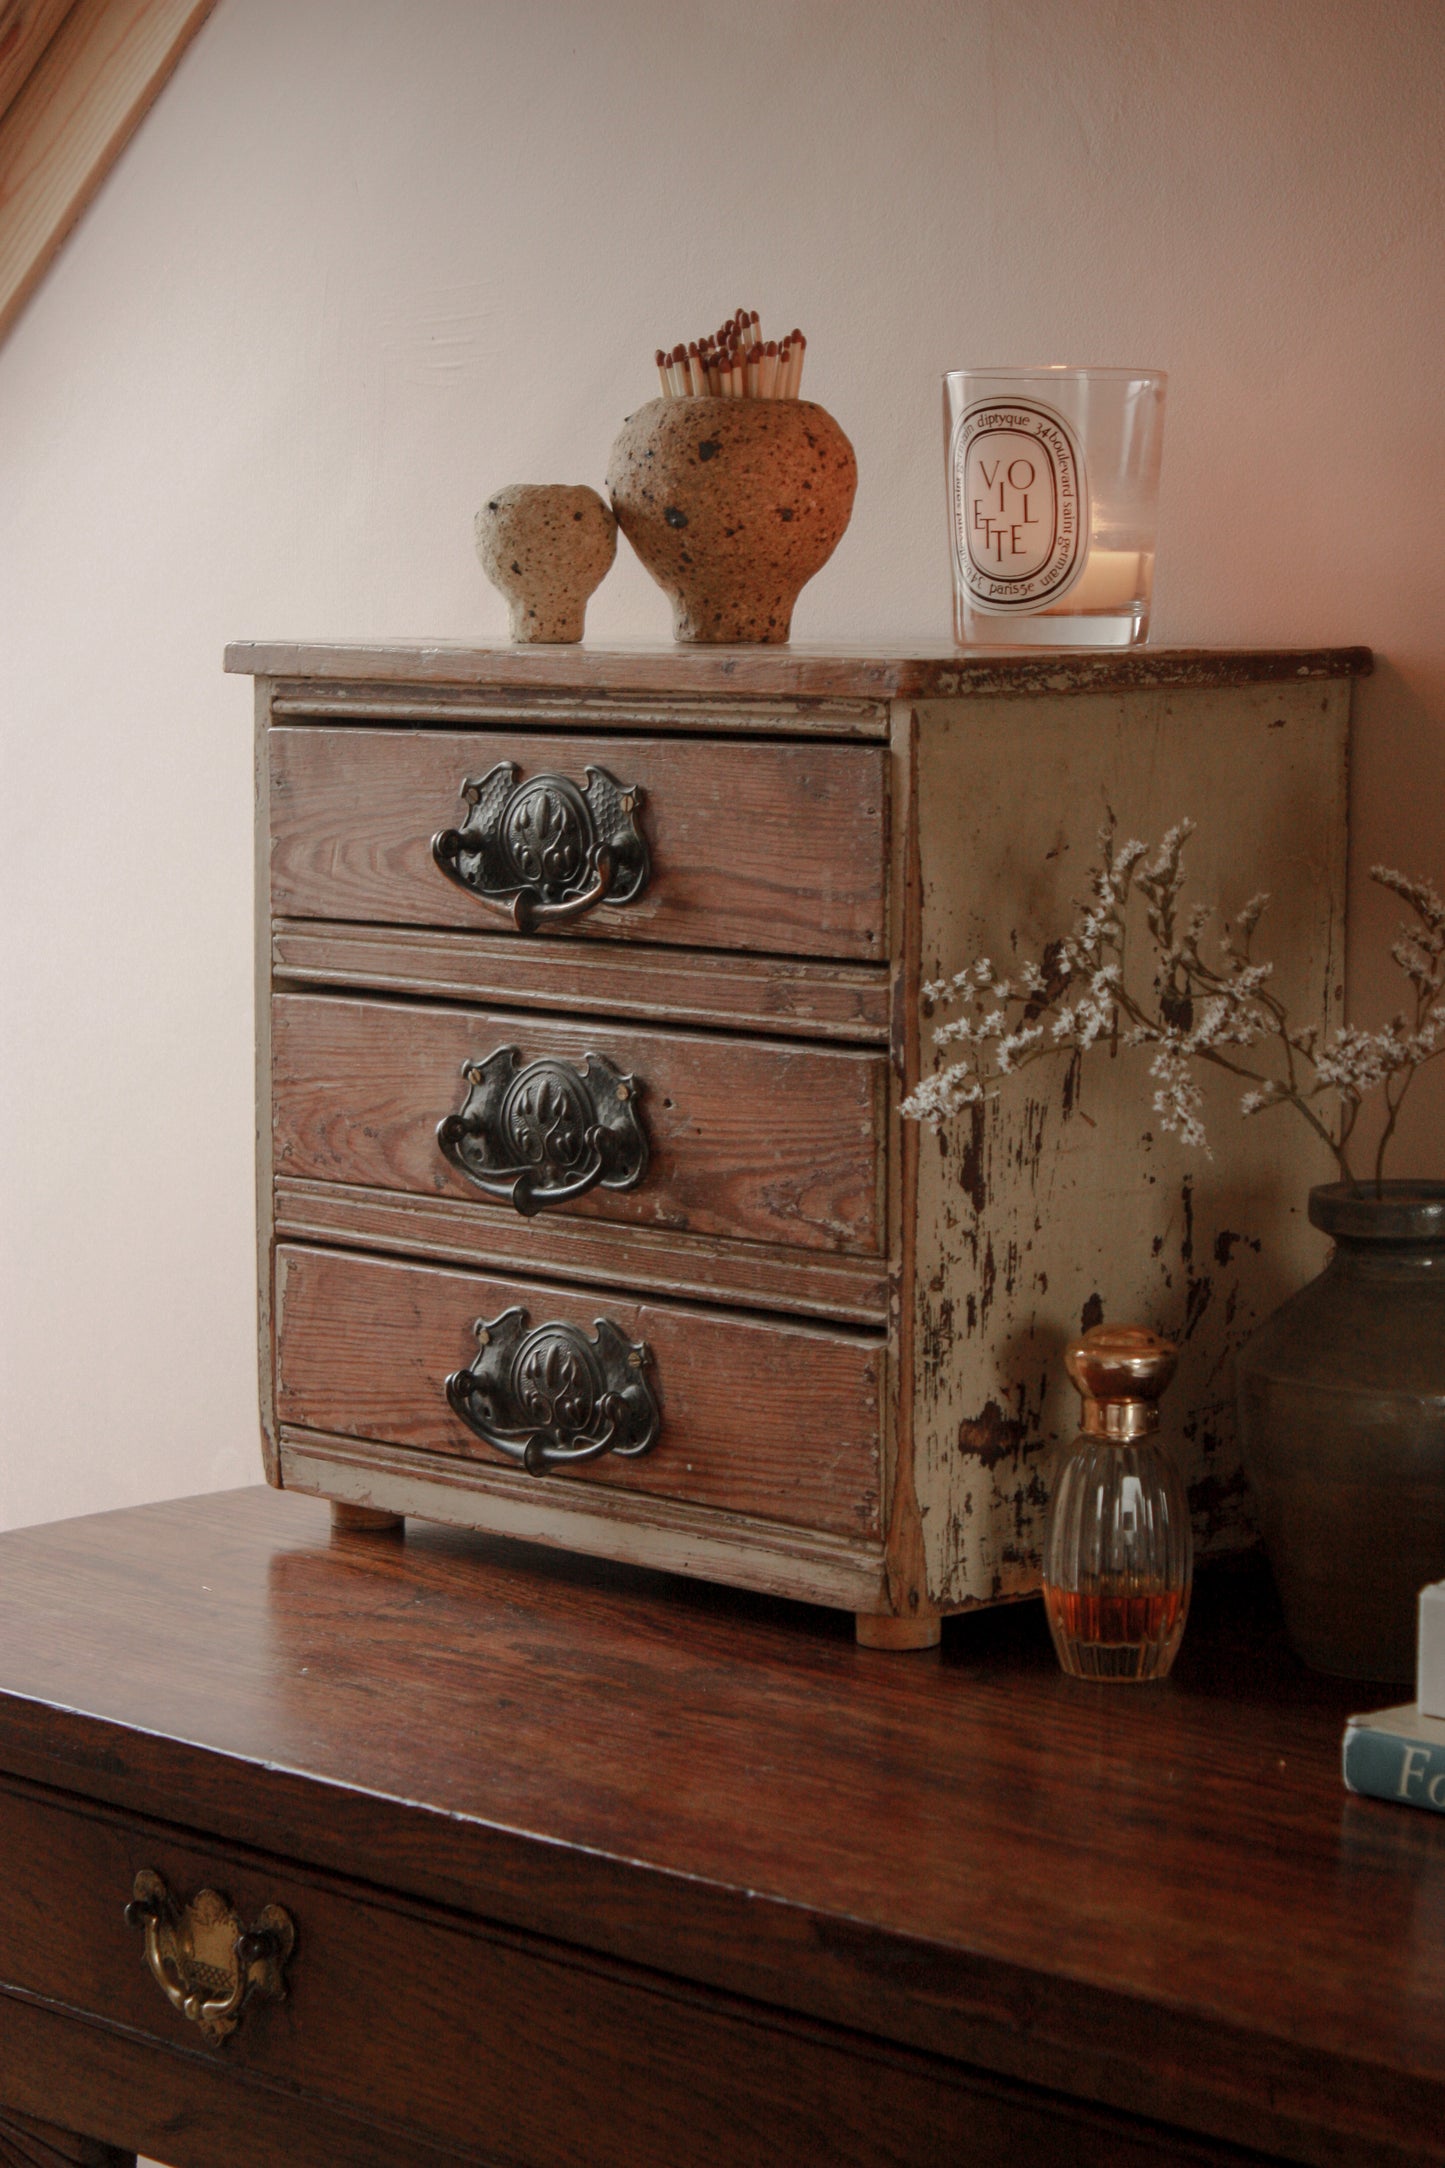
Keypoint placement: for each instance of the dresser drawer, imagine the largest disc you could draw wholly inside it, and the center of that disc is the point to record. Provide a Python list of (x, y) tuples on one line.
[(408, 2032), (778, 848), (774, 1420), (735, 1138)]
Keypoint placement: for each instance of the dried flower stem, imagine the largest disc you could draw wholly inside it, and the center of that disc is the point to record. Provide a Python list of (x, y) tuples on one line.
[(1187, 1008)]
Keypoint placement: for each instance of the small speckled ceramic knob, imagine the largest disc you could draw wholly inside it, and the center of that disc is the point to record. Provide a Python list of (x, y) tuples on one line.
[(546, 545)]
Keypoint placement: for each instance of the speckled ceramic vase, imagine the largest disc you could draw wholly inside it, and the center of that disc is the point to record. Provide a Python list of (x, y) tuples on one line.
[(546, 545), (732, 505), (1342, 1425)]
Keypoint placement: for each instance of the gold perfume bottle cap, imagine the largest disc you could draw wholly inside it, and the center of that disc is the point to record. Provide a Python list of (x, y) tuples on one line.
[(1120, 1370)]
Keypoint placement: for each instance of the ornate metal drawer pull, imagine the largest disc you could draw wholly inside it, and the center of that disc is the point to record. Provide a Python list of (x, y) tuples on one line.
[(551, 1397), (544, 850), (546, 1133), (206, 1965)]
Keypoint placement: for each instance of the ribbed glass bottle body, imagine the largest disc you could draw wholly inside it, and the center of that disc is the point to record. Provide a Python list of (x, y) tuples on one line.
[(1118, 1559)]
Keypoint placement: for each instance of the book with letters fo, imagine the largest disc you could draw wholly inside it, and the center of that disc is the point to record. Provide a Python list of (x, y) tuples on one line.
[(1397, 1754)]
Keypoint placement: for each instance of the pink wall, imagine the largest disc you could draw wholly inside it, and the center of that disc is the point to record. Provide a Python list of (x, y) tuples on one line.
[(365, 262)]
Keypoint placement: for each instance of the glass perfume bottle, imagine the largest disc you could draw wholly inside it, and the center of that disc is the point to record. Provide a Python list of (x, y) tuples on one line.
[(1118, 1554)]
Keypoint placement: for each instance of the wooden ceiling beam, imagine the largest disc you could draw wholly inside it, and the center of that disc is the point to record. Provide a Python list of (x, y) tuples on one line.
[(26, 28), (94, 68)]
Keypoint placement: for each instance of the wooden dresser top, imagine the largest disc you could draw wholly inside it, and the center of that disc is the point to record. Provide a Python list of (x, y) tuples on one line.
[(1159, 1897), (920, 672)]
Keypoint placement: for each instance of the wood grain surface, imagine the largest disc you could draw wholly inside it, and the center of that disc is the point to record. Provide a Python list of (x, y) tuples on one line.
[(670, 1535), (844, 1290), (182, 2108), (755, 845), (593, 705), (96, 77), (28, 2143), (385, 1987), (750, 1140), (1160, 1900), (927, 671), (780, 1421), (26, 28), (690, 986)]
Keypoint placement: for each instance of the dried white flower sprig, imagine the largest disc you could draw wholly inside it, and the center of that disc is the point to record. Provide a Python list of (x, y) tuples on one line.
[(1086, 989)]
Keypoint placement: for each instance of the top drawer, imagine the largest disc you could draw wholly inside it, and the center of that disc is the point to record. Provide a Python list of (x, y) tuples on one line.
[(773, 847)]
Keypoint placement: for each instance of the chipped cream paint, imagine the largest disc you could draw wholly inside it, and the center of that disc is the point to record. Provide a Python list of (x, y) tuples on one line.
[(1062, 1202)]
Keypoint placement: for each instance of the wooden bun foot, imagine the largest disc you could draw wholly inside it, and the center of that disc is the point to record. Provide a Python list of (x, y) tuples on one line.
[(877, 1631), (363, 1520)]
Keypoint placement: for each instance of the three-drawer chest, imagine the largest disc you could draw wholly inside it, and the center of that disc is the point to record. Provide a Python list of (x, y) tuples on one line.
[(590, 982)]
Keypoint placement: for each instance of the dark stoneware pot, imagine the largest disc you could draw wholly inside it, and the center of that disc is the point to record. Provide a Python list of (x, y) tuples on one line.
[(1342, 1418)]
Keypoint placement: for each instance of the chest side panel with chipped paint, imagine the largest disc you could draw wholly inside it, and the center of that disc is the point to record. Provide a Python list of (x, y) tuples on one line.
[(1061, 1201)]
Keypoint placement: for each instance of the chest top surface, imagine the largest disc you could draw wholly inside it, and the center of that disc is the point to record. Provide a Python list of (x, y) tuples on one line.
[(879, 672)]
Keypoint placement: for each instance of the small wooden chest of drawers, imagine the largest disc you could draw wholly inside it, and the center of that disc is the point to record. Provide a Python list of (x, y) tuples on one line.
[(589, 986)]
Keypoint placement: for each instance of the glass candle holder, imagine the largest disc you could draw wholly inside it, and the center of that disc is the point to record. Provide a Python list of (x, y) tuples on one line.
[(1053, 486), (1118, 1550)]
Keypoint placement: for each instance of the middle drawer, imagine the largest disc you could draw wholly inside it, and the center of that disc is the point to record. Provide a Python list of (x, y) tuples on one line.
[(742, 1138)]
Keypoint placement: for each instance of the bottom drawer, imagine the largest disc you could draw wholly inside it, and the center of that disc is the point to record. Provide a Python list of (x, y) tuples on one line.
[(430, 2030), (775, 1420)]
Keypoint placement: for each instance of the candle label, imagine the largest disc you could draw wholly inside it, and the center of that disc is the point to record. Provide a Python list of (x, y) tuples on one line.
[(1020, 506)]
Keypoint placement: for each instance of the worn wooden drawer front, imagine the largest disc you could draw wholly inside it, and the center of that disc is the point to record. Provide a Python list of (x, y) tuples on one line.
[(778, 848), (491, 2046), (746, 1138), (774, 1420), (797, 997)]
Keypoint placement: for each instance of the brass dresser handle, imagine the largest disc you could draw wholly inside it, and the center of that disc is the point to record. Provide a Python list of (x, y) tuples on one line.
[(551, 1397), (545, 851), (203, 1961), (547, 1132)]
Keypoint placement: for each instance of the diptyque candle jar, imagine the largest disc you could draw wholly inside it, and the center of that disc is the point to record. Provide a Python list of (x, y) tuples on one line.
[(1118, 1554), (1053, 483)]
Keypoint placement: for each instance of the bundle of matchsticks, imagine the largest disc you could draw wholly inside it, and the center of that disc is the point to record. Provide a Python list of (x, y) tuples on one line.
[(734, 363)]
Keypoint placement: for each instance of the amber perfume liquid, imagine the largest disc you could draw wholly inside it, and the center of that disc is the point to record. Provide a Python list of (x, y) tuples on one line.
[(1116, 1634)]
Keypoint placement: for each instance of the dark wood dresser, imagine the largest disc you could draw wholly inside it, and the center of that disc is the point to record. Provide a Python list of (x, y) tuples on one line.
[(589, 984), (578, 1864)]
